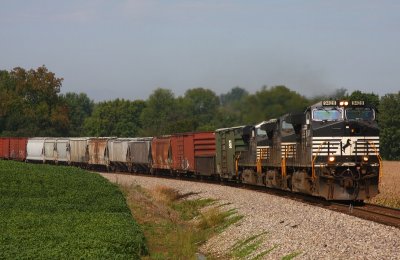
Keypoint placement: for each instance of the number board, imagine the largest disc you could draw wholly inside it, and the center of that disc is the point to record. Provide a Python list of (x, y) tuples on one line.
[(357, 103), (329, 103)]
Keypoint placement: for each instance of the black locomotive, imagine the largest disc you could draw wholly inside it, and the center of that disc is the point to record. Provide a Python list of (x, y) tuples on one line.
[(330, 150)]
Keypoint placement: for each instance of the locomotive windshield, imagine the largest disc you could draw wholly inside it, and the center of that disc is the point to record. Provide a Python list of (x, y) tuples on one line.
[(327, 114), (360, 113)]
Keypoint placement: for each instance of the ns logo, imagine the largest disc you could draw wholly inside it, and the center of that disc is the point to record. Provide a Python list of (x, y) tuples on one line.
[(346, 145)]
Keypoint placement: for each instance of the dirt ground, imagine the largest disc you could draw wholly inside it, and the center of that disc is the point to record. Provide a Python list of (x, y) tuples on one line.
[(390, 185)]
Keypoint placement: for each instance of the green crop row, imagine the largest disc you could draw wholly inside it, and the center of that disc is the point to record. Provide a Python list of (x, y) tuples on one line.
[(64, 212)]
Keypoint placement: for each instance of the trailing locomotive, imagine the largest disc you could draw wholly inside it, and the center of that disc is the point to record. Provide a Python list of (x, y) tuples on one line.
[(330, 150)]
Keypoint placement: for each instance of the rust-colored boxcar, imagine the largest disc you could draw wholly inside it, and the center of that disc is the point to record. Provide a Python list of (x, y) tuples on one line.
[(4, 147), (18, 148), (161, 153), (204, 153), (193, 153), (182, 152)]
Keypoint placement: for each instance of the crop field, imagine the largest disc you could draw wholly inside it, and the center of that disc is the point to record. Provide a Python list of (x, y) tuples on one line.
[(64, 212), (390, 185)]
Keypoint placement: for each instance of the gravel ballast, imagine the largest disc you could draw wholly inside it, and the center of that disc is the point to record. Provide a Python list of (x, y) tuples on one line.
[(290, 226)]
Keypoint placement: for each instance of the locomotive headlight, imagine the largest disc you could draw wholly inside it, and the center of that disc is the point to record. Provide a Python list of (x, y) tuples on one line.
[(365, 158), (346, 103), (331, 158)]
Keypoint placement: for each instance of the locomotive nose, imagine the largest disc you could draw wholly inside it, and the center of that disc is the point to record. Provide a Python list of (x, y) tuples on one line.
[(360, 128)]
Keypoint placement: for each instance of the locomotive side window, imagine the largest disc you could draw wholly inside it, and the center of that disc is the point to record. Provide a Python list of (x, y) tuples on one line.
[(326, 114), (261, 133), (287, 128), (360, 113)]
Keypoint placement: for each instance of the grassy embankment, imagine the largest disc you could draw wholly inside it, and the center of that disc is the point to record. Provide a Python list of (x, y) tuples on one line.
[(175, 226), (390, 186), (64, 212)]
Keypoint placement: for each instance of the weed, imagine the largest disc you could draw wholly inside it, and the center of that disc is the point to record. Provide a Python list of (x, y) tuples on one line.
[(244, 248), (291, 256), (190, 208), (263, 253), (165, 194), (214, 218)]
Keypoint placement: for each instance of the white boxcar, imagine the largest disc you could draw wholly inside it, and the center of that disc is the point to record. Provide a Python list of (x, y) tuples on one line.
[(50, 152), (35, 149), (79, 152), (140, 153), (63, 150), (118, 153)]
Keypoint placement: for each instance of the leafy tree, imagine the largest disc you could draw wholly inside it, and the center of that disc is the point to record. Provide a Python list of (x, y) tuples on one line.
[(118, 117), (160, 114), (390, 126), (200, 105), (230, 112), (235, 95), (271, 103), (369, 98), (30, 103), (79, 108)]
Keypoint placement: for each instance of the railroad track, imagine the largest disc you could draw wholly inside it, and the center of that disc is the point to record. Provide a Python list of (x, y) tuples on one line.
[(380, 214), (376, 213)]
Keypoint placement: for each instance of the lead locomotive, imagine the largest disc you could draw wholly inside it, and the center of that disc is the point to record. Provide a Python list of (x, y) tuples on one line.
[(337, 153)]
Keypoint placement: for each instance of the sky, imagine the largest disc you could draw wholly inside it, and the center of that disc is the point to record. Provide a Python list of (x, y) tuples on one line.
[(129, 48)]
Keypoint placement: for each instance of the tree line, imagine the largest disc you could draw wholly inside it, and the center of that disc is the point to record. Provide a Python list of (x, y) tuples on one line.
[(31, 105)]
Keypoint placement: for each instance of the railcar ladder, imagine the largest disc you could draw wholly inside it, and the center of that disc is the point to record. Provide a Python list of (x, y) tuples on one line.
[(224, 166), (181, 148)]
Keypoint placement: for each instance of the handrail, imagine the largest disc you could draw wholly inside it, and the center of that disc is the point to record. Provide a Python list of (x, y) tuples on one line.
[(259, 169), (379, 159), (261, 153), (283, 167), (313, 161), (237, 165), (283, 163)]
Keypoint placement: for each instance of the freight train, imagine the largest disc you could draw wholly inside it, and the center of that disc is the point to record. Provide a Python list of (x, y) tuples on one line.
[(330, 150)]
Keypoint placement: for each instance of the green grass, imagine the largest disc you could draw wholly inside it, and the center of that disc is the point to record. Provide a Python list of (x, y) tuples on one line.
[(244, 248), (190, 208), (58, 212), (263, 253), (218, 220), (291, 256)]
